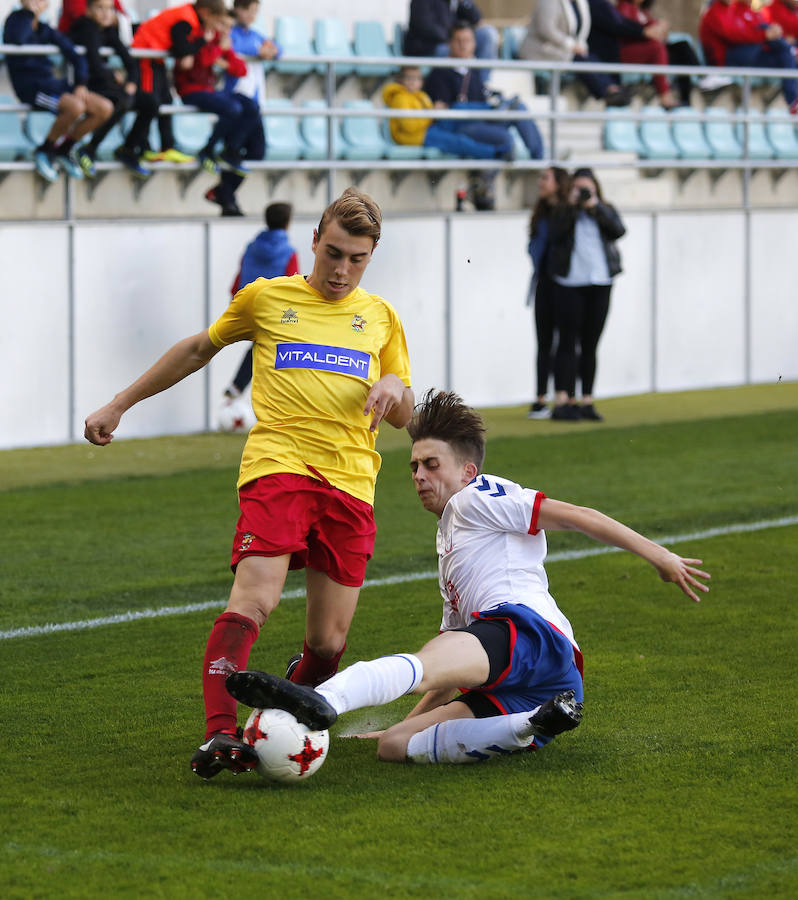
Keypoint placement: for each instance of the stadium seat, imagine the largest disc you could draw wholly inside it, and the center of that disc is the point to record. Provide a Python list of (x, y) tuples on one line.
[(362, 138), (192, 130), (720, 135), (655, 134), (689, 136), (759, 147), (283, 140), (330, 38), (293, 35), (398, 39), (313, 129), (37, 126), (370, 41), (13, 142), (621, 133), (399, 151), (781, 133), (512, 38)]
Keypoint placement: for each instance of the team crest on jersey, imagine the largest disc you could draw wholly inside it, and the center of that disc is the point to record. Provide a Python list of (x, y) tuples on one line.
[(358, 324), (290, 317), (246, 540)]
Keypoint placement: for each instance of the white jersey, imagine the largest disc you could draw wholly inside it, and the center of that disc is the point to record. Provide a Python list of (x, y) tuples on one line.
[(490, 551)]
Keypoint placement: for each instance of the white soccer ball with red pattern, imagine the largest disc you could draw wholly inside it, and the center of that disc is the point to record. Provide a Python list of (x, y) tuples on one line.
[(287, 750), (236, 415)]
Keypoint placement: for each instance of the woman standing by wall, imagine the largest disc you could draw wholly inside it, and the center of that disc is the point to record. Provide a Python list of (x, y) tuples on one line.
[(583, 260), (552, 190)]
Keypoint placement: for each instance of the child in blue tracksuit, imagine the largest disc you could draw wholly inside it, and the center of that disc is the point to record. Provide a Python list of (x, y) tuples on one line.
[(249, 42), (77, 109)]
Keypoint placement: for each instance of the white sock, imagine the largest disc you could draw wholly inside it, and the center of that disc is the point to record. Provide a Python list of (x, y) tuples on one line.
[(373, 683), (469, 740)]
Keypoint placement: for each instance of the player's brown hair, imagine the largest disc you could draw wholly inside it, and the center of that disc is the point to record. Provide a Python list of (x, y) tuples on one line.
[(214, 7), (443, 416), (356, 212)]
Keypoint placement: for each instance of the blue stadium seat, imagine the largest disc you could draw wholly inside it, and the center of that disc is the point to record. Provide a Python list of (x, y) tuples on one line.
[(37, 126), (781, 133), (621, 133), (689, 136), (398, 39), (293, 35), (13, 142), (330, 38), (512, 38), (370, 41), (362, 137), (283, 140), (759, 147), (720, 135), (655, 134), (313, 129), (192, 130), (400, 151)]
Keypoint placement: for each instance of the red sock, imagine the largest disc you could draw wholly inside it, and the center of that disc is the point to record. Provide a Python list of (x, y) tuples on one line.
[(230, 641), (314, 669)]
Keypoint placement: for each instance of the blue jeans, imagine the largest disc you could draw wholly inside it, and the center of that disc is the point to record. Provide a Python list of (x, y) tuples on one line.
[(525, 127), (450, 137), (772, 55)]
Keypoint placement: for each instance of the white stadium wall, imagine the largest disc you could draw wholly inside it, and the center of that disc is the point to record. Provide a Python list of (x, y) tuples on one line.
[(89, 306)]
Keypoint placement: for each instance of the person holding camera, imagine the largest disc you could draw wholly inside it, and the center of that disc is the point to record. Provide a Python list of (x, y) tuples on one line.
[(583, 261)]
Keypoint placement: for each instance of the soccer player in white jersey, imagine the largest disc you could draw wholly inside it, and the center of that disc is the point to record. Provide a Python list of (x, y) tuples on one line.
[(503, 638), (330, 364)]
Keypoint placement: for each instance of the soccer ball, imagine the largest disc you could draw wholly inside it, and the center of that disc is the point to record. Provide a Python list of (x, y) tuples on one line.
[(287, 750), (236, 415)]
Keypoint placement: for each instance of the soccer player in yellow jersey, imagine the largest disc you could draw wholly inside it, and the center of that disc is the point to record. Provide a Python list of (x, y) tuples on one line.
[(330, 364)]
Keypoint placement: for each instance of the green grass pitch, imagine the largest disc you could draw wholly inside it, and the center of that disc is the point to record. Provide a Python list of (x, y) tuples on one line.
[(680, 782)]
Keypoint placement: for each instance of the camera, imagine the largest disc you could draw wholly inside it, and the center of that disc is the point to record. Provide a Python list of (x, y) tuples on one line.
[(585, 194)]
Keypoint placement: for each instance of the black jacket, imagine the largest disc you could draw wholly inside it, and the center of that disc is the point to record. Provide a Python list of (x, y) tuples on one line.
[(607, 27), (87, 33), (432, 20), (561, 236), (445, 85)]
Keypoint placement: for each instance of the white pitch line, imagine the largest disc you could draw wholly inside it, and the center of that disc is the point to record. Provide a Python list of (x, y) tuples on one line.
[(135, 615)]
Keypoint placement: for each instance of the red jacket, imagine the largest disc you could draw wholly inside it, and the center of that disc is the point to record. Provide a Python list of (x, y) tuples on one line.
[(723, 25), (780, 13), (202, 76), (74, 9)]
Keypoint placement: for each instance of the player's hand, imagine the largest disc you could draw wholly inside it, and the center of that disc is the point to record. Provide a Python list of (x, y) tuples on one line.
[(682, 572), (186, 62), (267, 50), (100, 425), (384, 395)]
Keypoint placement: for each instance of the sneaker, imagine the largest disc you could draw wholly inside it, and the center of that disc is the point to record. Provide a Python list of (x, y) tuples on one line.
[(229, 207), (173, 155), (130, 160), (566, 412), (69, 164), (263, 691), (223, 751), (539, 410), (561, 713), (295, 660), (714, 83), (589, 412), (231, 162), (44, 165), (86, 162), (207, 162), (152, 156)]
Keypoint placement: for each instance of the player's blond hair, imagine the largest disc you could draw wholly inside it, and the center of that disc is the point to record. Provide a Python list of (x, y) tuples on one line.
[(443, 416), (356, 212)]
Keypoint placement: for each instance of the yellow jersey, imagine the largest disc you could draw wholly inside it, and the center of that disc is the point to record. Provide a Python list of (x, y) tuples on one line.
[(314, 362)]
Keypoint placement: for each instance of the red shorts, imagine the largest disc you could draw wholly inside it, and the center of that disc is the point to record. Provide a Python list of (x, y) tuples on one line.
[(323, 528)]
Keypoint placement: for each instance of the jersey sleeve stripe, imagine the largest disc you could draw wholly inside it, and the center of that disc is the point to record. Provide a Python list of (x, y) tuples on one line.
[(533, 525)]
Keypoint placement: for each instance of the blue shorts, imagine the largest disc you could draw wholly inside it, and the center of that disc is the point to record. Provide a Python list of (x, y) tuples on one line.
[(46, 94), (542, 663)]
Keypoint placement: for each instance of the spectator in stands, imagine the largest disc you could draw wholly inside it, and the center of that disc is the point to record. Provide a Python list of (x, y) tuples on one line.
[(406, 93), (582, 260), (553, 186), (182, 31), (784, 13), (98, 29), (464, 88), (616, 38), (733, 34), (558, 31), (71, 10), (247, 41), (269, 255), (238, 126), (431, 23), (78, 110)]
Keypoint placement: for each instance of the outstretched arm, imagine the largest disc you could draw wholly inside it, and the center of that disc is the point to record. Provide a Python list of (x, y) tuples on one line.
[(187, 356), (389, 399), (554, 515)]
